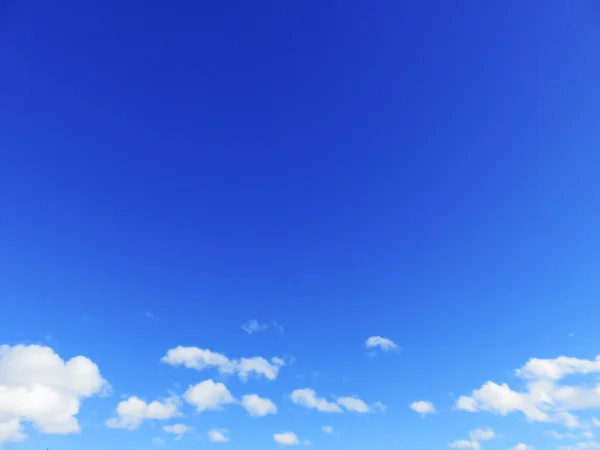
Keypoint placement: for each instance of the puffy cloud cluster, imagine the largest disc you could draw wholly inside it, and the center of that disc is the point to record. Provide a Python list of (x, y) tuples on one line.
[(382, 343), (544, 399), (475, 439), (200, 359), (133, 411), (38, 386), (309, 399), (423, 407)]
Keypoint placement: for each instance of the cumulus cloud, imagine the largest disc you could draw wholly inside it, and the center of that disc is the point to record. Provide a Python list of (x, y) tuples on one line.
[(38, 386), (384, 344), (200, 359), (252, 326), (218, 435), (328, 429), (354, 404), (257, 406), (475, 438), (543, 399), (177, 429), (208, 395), (287, 438), (308, 398), (423, 407), (133, 411), (522, 446)]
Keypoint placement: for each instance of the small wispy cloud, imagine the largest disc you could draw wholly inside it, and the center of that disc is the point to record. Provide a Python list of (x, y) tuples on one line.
[(253, 326), (382, 343), (149, 315), (279, 327)]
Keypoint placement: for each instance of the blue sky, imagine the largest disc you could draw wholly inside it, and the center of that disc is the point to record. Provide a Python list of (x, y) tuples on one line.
[(423, 172)]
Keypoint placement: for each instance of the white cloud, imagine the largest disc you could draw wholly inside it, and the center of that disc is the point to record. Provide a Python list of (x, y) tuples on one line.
[(384, 344), (482, 434), (252, 326), (208, 395), (257, 406), (279, 327), (177, 429), (218, 435), (158, 441), (595, 422), (308, 398), (38, 386), (464, 444), (328, 429), (133, 411), (543, 400), (423, 407), (380, 406), (287, 438), (354, 404), (200, 359), (475, 439), (10, 431), (307, 443), (522, 446)]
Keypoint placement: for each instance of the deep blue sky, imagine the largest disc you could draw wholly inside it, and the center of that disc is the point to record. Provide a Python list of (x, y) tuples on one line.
[(426, 171)]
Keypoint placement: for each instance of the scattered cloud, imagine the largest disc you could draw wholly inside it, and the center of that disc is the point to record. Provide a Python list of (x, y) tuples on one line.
[(384, 344), (328, 429), (279, 327), (307, 443), (287, 438), (595, 422), (543, 400), (177, 429), (252, 326), (354, 404), (218, 435), (475, 438), (308, 398), (38, 386), (149, 315), (561, 436), (423, 407), (257, 406), (133, 411), (158, 441), (522, 446), (208, 395), (200, 359)]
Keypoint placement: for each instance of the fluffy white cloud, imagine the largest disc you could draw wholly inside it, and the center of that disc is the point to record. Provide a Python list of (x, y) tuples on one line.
[(200, 359), (328, 429), (463, 443), (384, 344), (522, 446), (287, 438), (543, 400), (208, 395), (133, 411), (354, 404), (257, 406), (482, 434), (422, 407), (218, 435), (38, 386), (308, 398), (475, 439), (177, 429), (252, 326)]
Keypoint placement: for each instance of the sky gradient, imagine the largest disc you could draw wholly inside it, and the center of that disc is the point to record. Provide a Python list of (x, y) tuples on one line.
[(424, 172)]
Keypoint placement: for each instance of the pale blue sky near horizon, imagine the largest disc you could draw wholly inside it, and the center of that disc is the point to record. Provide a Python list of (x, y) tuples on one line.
[(422, 171)]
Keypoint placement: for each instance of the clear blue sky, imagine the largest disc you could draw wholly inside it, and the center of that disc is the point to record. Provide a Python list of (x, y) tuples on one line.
[(423, 171)]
